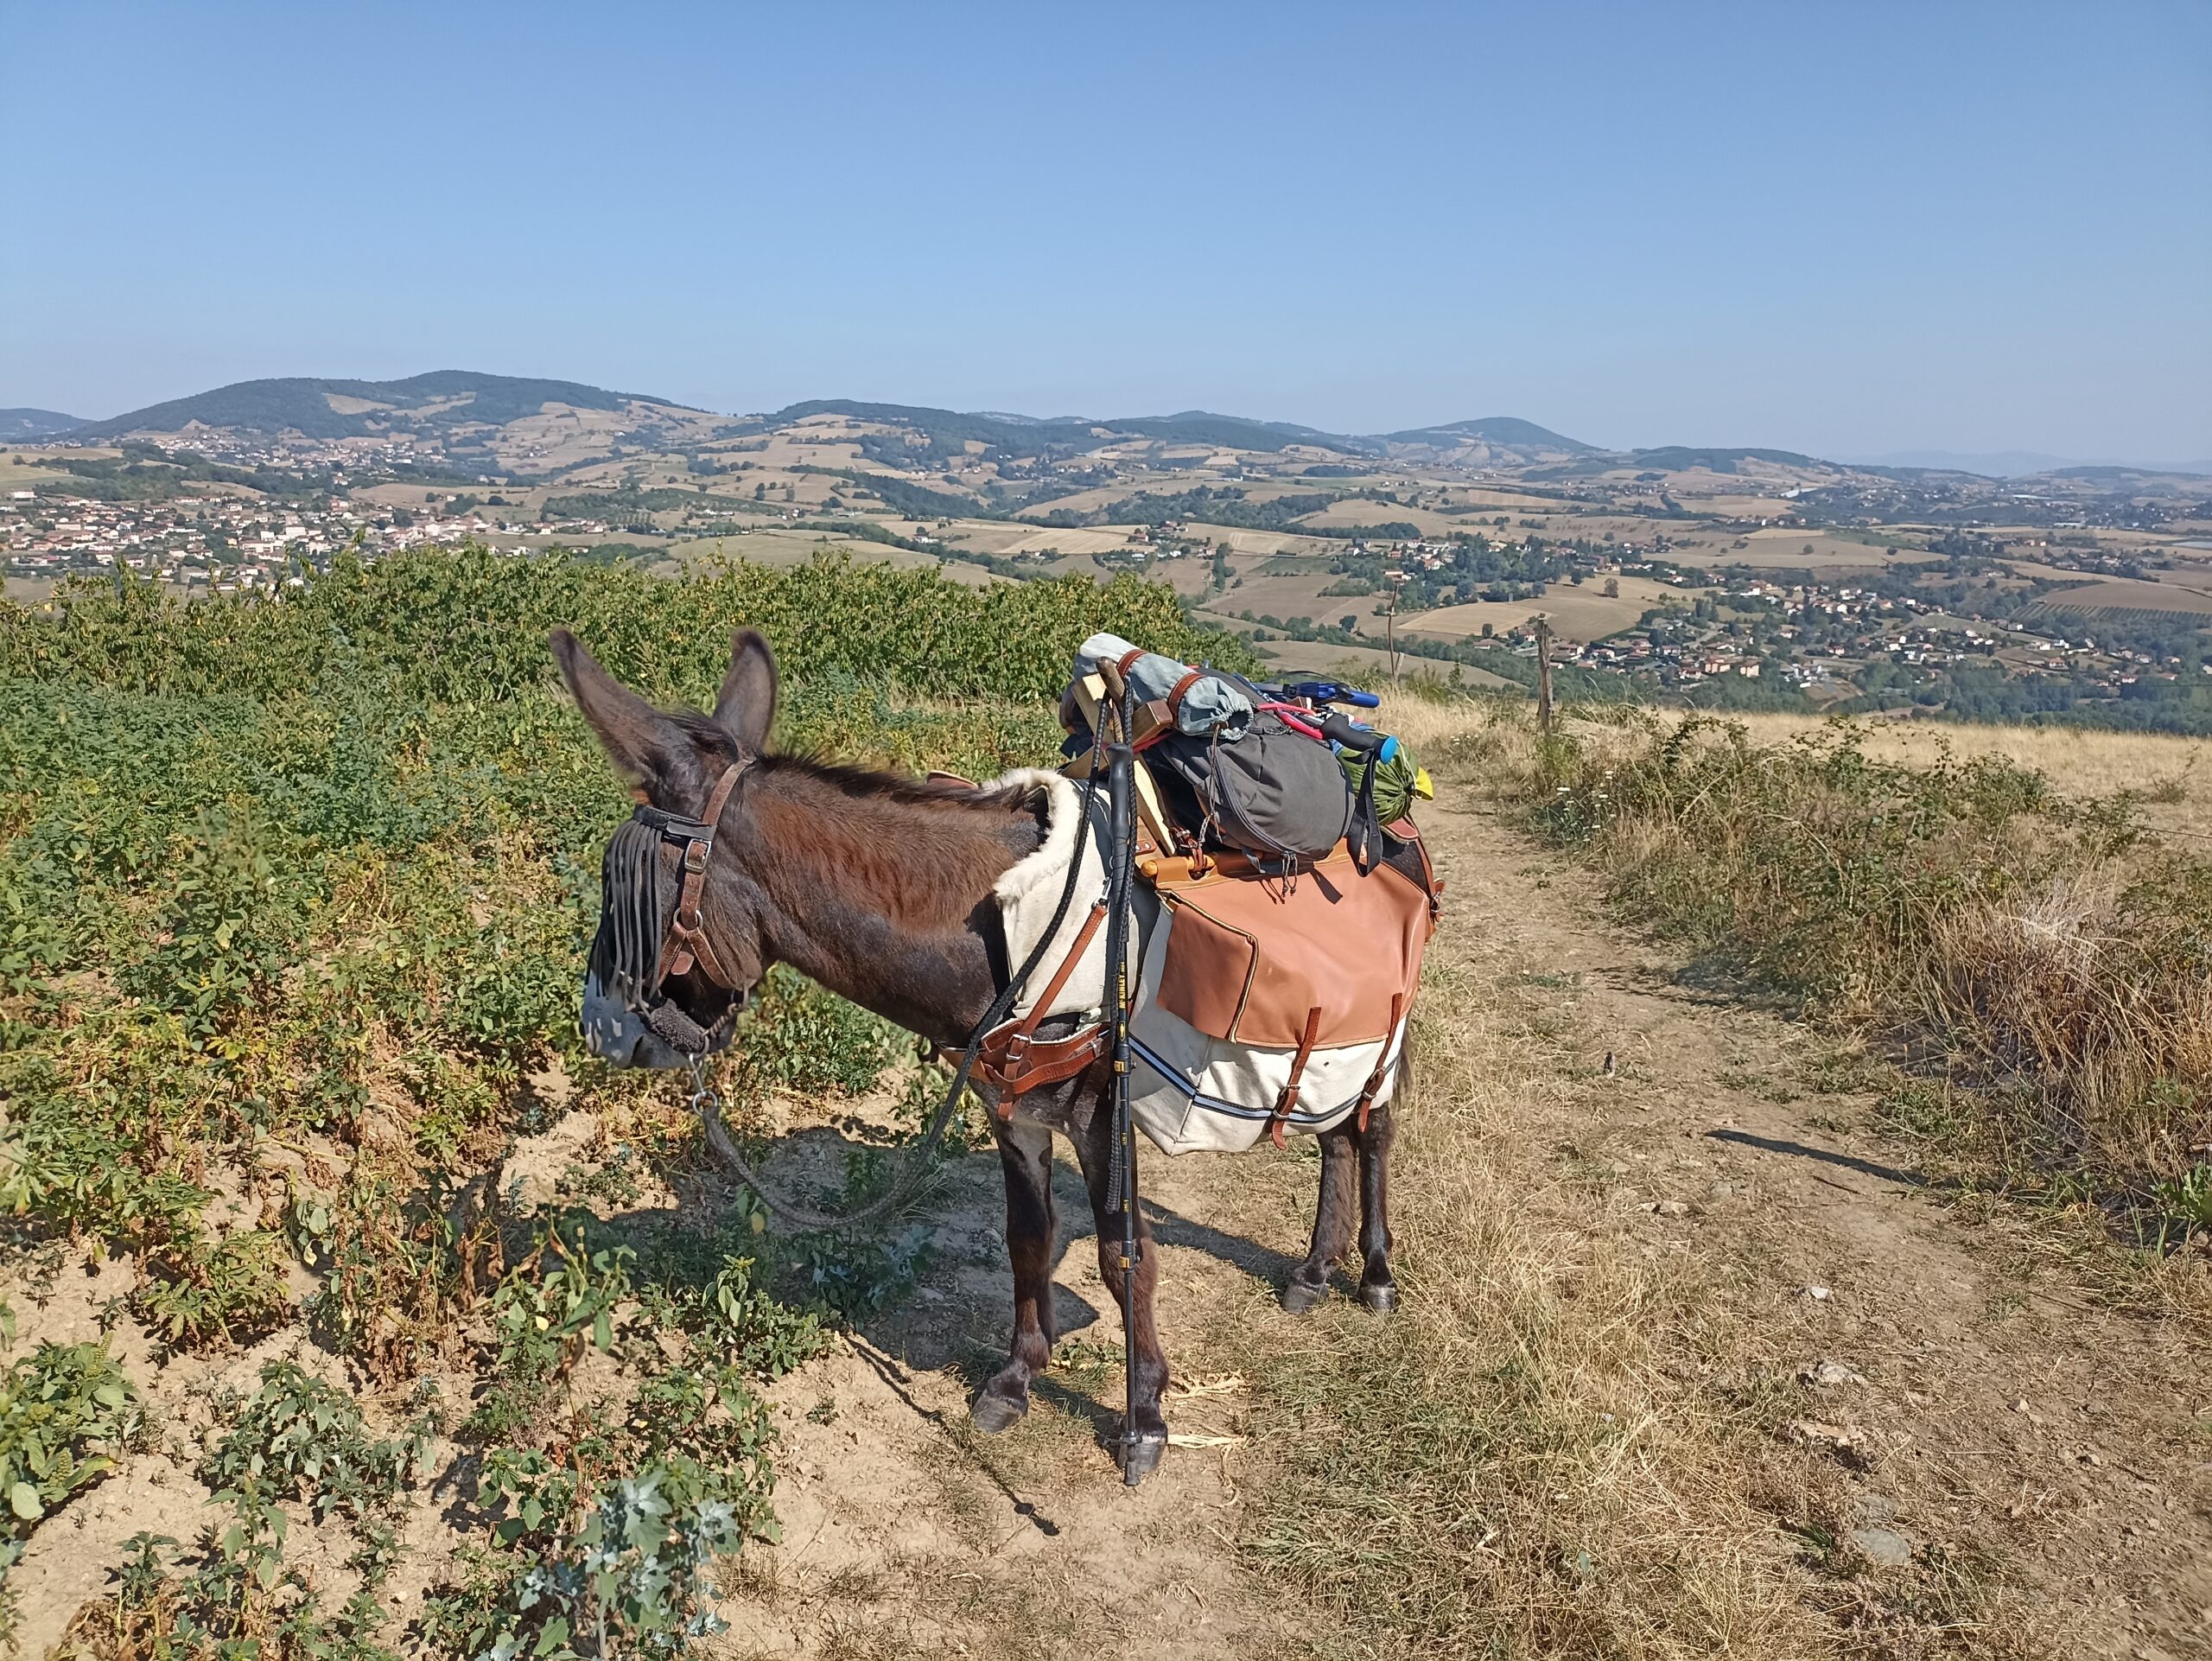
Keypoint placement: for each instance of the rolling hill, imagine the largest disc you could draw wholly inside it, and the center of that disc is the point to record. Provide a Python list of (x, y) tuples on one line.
[(352, 409), (1508, 430), (947, 431), (37, 423)]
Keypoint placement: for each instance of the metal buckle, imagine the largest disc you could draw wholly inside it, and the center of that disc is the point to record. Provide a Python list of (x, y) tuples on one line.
[(695, 855)]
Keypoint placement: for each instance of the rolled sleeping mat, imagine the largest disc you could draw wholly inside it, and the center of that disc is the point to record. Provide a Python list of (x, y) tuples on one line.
[(1208, 702)]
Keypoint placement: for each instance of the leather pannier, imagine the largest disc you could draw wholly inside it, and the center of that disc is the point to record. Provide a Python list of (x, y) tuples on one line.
[(1251, 956)]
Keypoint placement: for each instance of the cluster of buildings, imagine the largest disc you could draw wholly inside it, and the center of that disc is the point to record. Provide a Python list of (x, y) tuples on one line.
[(216, 543), (1821, 639)]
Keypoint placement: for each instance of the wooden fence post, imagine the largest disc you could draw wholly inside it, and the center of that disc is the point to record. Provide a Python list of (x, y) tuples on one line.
[(1544, 675), (1390, 627)]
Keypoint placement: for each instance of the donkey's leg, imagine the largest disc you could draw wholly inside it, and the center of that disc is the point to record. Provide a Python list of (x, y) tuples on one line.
[(1376, 1289), (1026, 1157), (1094, 1144), (1309, 1282)]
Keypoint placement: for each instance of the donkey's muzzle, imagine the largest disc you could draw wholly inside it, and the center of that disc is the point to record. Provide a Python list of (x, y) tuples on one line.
[(661, 1037)]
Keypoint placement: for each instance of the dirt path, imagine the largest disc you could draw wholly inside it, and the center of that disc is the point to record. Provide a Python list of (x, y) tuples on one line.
[(1976, 1455), (2045, 1460)]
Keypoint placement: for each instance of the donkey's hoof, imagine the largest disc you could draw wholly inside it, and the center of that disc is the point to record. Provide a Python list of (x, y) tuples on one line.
[(1303, 1297), (1140, 1457), (1381, 1296), (993, 1413)]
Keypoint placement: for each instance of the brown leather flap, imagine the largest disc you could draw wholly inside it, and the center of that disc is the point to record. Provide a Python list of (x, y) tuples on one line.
[(1011, 1061), (1250, 959)]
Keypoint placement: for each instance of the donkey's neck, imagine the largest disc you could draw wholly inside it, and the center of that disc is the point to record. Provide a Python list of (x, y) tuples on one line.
[(886, 897)]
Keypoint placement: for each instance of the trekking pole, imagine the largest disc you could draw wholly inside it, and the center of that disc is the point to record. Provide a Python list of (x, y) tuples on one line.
[(1122, 1171)]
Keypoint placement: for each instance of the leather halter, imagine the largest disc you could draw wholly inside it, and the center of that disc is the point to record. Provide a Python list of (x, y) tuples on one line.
[(687, 941)]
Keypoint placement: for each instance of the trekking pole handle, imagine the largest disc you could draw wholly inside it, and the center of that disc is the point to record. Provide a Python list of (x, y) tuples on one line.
[(1342, 729)]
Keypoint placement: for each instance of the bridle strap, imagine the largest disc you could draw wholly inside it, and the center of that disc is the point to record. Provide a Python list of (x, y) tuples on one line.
[(687, 932)]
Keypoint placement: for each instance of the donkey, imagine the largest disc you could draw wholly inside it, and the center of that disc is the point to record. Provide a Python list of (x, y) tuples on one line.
[(879, 889)]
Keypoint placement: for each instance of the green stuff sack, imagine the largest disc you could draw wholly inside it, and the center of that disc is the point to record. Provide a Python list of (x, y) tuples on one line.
[(1398, 783)]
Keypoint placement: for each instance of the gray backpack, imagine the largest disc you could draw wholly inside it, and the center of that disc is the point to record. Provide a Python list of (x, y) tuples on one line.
[(1274, 793)]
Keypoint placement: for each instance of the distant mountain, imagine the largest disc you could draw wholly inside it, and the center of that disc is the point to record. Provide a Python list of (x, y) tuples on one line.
[(1992, 464), (2103, 474), (1675, 458), (37, 423), (319, 409), (1510, 430), (2020, 464), (1014, 435)]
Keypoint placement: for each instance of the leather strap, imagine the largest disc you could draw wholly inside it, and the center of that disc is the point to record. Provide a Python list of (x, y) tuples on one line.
[(1128, 661), (1036, 1064), (687, 930), (1008, 1058), (1287, 1103), (1174, 698), (1375, 1079)]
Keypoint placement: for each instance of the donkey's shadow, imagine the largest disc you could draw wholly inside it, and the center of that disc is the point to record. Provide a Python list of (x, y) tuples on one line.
[(961, 1303)]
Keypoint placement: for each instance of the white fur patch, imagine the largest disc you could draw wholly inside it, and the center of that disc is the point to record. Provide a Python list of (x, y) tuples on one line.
[(1029, 893)]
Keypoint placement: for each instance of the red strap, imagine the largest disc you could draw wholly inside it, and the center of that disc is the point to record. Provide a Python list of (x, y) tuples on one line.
[(1287, 1103), (1128, 661)]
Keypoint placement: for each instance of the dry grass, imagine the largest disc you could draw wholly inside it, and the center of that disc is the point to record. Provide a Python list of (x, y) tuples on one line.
[(1509, 1466), (2170, 778), (1984, 899)]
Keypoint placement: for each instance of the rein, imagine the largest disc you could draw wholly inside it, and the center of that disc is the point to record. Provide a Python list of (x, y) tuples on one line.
[(707, 1101)]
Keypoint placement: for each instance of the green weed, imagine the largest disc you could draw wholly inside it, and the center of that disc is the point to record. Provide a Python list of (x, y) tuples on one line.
[(66, 1411)]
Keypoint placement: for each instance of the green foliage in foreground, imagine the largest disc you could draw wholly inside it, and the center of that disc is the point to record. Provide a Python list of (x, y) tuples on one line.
[(311, 878), (65, 1411), (468, 627)]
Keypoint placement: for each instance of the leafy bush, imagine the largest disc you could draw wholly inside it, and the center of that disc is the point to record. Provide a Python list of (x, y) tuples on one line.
[(66, 1410), (625, 1558), (299, 1438)]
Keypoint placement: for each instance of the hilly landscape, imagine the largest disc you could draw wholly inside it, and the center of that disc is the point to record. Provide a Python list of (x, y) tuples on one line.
[(1729, 576), (1802, 1206)]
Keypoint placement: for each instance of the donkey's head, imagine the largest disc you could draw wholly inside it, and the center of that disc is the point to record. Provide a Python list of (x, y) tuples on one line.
[(678, 948)]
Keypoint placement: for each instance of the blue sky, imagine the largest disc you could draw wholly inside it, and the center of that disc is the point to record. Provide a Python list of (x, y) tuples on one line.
[(1848, 229)]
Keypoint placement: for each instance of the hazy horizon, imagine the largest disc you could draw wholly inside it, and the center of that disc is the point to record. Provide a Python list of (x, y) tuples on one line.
[(1854, 236)]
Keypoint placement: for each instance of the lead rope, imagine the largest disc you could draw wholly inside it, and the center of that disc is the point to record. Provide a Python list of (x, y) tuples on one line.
[(706, 1100)]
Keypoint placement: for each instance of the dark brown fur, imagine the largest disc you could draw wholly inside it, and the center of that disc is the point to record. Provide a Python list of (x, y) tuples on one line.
[(880, 890)]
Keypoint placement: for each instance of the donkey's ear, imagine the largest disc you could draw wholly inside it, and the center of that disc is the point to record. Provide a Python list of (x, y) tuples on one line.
[(642, 742), (746, 707)]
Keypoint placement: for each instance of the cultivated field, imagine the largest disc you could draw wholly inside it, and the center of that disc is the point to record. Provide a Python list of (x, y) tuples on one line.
[(1583, 612)]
